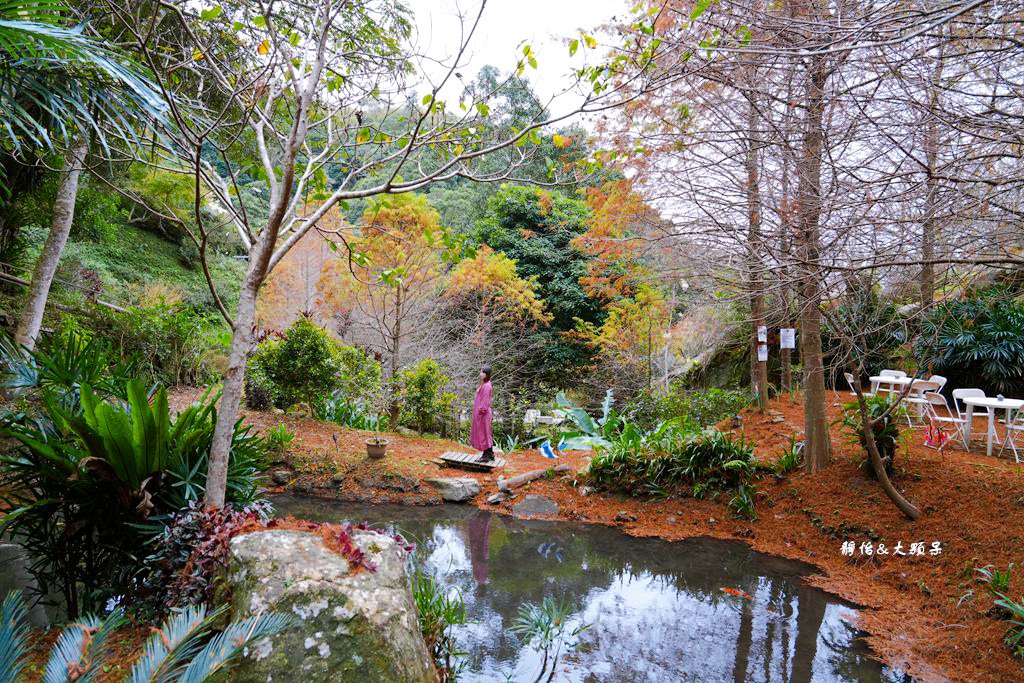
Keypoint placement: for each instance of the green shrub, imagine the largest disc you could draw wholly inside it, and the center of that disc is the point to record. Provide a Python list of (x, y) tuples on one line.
[(279, 438), (671, 460), (424, 399), (169, 341), (877, 329), (439, 612), (341, 409), (977, 342), (301, 366)]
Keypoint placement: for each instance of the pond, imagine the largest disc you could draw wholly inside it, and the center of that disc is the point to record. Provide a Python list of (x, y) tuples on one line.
[(695, 610)]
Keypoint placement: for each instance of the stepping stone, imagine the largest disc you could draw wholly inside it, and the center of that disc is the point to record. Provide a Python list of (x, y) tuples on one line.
[(455, 489), (535, 505), (471, 461)]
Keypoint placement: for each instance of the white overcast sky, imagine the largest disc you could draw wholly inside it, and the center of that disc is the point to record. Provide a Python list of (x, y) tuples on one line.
[(544, 24)]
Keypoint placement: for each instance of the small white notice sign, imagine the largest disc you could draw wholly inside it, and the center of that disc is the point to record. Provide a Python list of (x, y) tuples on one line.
[(762, 333), (762, 352), (787, 338)]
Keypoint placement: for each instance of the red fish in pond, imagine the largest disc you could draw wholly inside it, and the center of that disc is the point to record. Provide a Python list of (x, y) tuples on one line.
[(737, 592)]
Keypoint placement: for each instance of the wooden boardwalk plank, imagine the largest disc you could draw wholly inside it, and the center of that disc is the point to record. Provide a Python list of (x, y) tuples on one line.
[(471, 461)]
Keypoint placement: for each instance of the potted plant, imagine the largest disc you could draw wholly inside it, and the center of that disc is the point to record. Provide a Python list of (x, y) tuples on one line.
[(377, 447)]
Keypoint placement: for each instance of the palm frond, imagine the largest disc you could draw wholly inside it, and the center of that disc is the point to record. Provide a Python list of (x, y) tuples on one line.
[(176, 641), (51, 77), (78, 653), (13, 636), (225, 646)]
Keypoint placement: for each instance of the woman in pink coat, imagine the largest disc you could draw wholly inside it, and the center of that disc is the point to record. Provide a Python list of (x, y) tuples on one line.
[(480, 433)]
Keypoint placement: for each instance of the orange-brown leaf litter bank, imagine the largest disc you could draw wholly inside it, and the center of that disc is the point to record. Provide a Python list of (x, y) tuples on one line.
[(916, 613)]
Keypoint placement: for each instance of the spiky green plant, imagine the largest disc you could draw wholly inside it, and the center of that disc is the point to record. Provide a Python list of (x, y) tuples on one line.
[(185, 649)]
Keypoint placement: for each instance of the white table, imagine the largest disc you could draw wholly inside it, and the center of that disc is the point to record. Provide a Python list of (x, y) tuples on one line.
[(901, 382), (1007, 404), (892, 382)]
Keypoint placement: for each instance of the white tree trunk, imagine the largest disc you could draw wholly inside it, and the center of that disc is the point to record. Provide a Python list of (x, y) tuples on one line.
[(31, 319), (234, 386)]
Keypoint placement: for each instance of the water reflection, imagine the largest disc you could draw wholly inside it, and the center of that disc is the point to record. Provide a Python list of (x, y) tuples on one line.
[(657, 610)]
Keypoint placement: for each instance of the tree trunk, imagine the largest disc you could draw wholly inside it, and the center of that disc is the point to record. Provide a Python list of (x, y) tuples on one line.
[(817, 442), (394, 410), (867, 426), (759, 369), (233, 389), (31, 319), (928, 221)]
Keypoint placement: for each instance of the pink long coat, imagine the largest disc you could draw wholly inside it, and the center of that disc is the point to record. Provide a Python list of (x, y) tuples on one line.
[(480, 434)]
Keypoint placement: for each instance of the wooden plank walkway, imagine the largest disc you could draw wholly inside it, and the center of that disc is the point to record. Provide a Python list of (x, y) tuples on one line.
[(471, 461)]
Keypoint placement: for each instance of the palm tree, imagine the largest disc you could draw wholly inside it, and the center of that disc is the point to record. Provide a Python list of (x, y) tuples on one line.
[(61, 89)]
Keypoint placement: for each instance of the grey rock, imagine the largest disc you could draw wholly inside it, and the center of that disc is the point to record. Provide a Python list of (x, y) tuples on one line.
[(280, 477), (405, 431), (535, 505), (352, 624), (15, 576), (455, 489), (389, 482), (671, 519), (338, 479), (623, 516), (586, 490), (499, 497)]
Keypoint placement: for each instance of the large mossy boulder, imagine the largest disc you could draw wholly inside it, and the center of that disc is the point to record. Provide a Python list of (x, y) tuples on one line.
[(352, 624)]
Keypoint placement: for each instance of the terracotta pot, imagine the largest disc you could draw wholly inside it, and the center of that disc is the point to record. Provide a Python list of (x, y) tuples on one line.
[(375, 450)]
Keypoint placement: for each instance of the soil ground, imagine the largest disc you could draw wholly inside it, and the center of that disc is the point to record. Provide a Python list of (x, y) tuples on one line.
[(925, 615)]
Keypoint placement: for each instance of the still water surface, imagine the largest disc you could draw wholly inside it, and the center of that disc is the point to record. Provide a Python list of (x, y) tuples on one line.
[(657, 610)]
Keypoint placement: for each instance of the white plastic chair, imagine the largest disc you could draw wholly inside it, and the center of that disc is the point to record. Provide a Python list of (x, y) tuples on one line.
[(960, 394), (1013, 427), (917, 396), (933, 400), (850, 380), (941, 381)]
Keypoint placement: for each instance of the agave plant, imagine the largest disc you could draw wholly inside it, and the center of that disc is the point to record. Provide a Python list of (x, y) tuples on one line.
[(183, 650)]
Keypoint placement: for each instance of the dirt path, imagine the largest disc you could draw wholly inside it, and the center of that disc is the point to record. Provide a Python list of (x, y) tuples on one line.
[(927, 614)]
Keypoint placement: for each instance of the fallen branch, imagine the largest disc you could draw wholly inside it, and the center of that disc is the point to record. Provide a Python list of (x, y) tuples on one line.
[(527, 477)]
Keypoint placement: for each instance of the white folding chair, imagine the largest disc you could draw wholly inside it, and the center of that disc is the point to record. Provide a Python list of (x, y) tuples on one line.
[(935, 400), (1014, 426), (850, 381), (917, 396), (960, 394), (941, 381)]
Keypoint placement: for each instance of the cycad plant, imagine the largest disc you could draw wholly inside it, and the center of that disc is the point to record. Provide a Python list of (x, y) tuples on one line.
[(93, 473), (183, 650)]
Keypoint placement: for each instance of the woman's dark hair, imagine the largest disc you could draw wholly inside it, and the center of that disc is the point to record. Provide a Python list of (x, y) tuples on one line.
[(487, 371)]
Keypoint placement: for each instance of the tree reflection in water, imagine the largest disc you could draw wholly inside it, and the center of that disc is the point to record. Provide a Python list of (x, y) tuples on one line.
[(657, 609)]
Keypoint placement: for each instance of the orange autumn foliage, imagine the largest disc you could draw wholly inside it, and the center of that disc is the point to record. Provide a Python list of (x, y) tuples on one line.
[(491, 278), (613, 240)]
